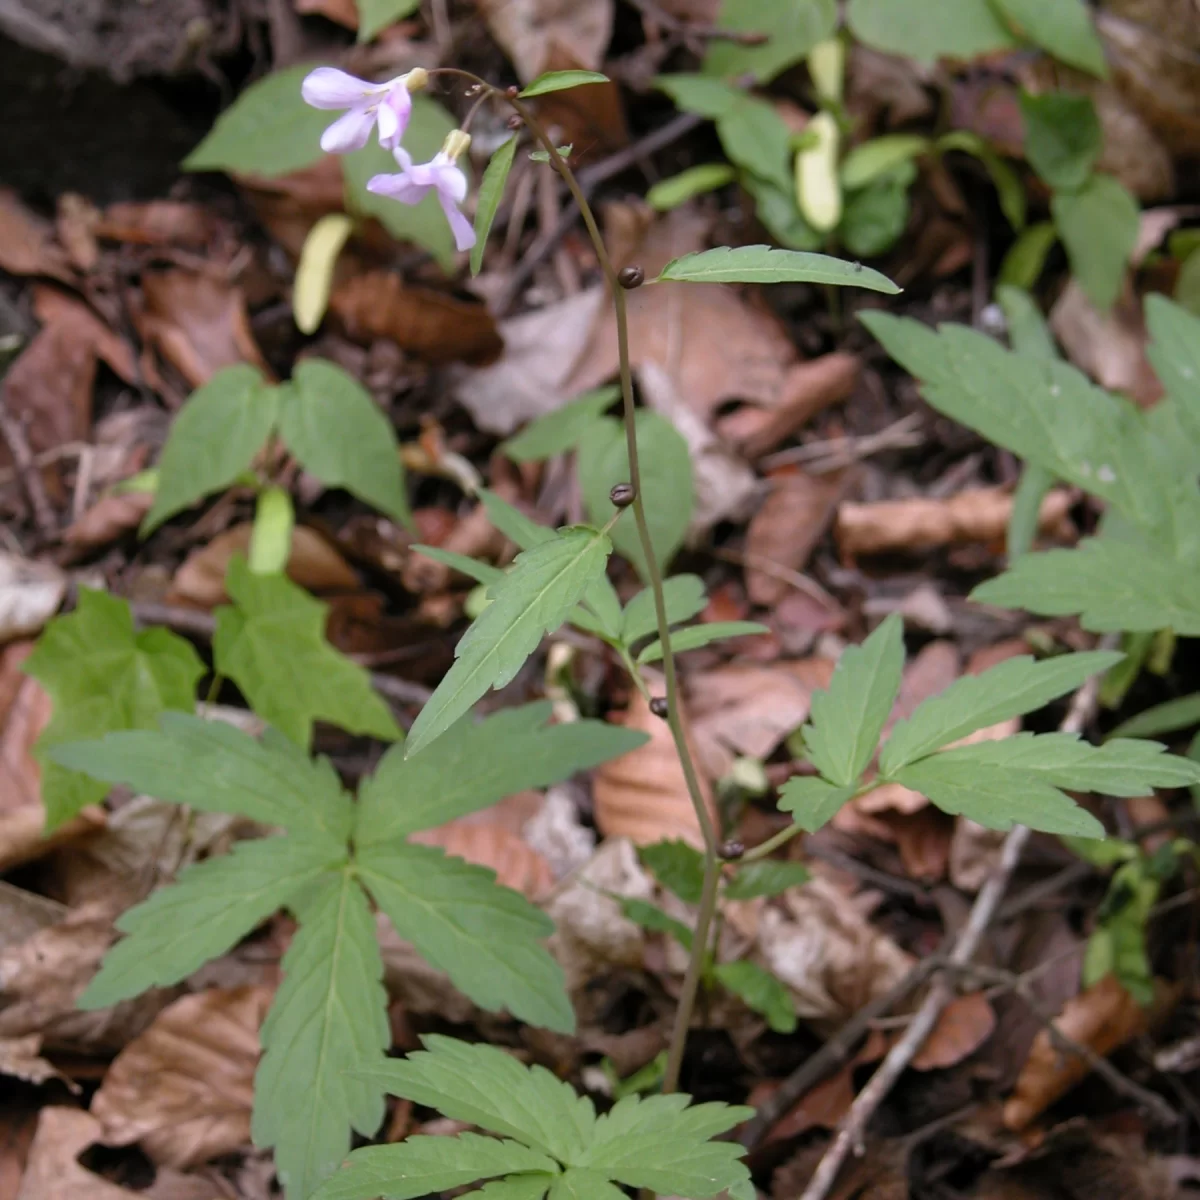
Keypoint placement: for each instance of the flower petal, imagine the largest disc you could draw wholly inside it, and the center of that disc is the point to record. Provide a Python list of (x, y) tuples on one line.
[(327, 87), (449, 179), (348, 132), (398, 187), (464, 234), (394, 113)]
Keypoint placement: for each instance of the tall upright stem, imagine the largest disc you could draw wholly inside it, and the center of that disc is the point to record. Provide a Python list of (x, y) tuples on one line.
[(712, 862)]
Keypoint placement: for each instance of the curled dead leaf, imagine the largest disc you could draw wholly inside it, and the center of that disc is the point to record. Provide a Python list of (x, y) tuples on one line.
[(52, 1169), (343, 12), (643, 795), (27, 245), (531, 32), (488, 844), (30, 593), (965, 1024), (157, 223), (109, 518), (21, 1058), (184, 1088), (917, 523)]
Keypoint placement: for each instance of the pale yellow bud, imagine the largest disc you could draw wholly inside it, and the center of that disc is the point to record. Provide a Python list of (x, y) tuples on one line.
[(416, 79), (456, 144)]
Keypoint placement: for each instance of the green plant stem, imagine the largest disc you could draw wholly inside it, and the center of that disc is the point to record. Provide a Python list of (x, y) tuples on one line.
[(712, 862)]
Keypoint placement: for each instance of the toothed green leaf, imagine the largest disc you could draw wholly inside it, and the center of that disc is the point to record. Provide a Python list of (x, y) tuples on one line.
[(812, 802), (767, 878), (684, 597), (677, 866), (761, 991)]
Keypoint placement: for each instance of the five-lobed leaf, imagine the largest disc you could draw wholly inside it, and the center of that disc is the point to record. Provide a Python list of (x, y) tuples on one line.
[(812, 801), (329, 1018), (533, 599), (559, 81), (1009, 689), (847, 718), (695, 636), (491, 192), (102, 676), (328, 420), (763, 264), (272, 644), (214, 439)]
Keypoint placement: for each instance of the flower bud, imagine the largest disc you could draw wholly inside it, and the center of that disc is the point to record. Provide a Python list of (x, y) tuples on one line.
[(631, 277), (730, 850), (417, 79), (659, 707), (622, 495), (456, 144)]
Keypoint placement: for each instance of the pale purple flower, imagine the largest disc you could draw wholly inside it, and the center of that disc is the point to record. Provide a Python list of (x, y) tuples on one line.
[(388, 104), (440, 174)]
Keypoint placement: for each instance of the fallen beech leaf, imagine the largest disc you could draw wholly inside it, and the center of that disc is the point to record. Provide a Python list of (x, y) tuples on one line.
[(965, 1024), (30, 593), (429, 324), (642, 795), (786, 529), (198, 323), (975, 515), (488, 844), (531, 32), (1102, 1018), (51, 304), (157, 223), (343, 12), (184, 1088), (27, 244), (108, 519), (76, 226), (923, 839), (53, 1170), (314, 564), (822, 1107), (20, 1058)]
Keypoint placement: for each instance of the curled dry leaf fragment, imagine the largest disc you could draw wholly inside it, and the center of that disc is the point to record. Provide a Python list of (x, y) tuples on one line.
[(184, 1088), (53, 1169), (30, 593), (109, 518), (976, 515), (27, 245), (157, 223), (965, 1024), (643, 795), (531, 32)]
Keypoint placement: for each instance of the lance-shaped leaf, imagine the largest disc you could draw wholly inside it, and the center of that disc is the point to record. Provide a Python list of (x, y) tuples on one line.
[(767, 878), (487, 938), (1009, 689), (763, 264), (684, 597), (214, 438), (695, 636), (491, 192), (563, 429), (214, 904), (273, 646), (475, 764), (847, 718), (677, 866), (760, 990), (102, 676), (328, 420), (533, 599), (329, 1018), (558, 81)]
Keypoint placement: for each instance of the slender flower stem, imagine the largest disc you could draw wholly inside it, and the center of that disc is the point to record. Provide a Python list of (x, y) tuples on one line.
[(712, 862)]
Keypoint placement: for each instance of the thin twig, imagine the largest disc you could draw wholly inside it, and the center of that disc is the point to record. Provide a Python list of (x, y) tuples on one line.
[(852, 1129), (27, 472)]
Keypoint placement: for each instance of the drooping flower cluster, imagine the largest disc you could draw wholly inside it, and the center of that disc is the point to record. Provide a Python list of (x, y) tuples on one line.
[(389, 106)]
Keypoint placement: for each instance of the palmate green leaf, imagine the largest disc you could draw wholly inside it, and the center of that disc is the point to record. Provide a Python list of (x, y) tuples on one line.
[(479, 571), (560, 81), (813, 802), (374, 16), (329, 1018), (1098, 225), (1112, 586), (211, 908), (684, 597), (561, 430), (213, 767), (695, 636), (846, 719), (580, 1183), (933, 29), (1063, 138), (603, 461), (1061, 27), (268, 130), (491, 192), (214, 438), (534, 598), (487, 938), (770, 877), (761, 991), (998, 799), (1009, 689), (532, 1186), (328, 420), (1169, 717), (474, 765), (102, 676), (1120, 767), (426, 1166), (677, 866), (762, 264), (650, 916), (1174, 353), (792, 29), (272, 645)]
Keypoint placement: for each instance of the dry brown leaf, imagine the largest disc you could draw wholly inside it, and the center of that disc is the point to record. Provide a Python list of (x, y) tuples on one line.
[(109, 518), (343, 12), (490, 844), (715, 345), (742, 709), (923, 839), (198, 323), (822, 1107), (51, 305), (157, 223), (642, 795), (592, 118), (27, 245), (21, 1058), (76, 226), (965, 1024), (533, 32), (53, 1172), (917, 523), (432, 325), (786, 529), (30, 593), (1102, 1018), (185, 1087), (314, 564)]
